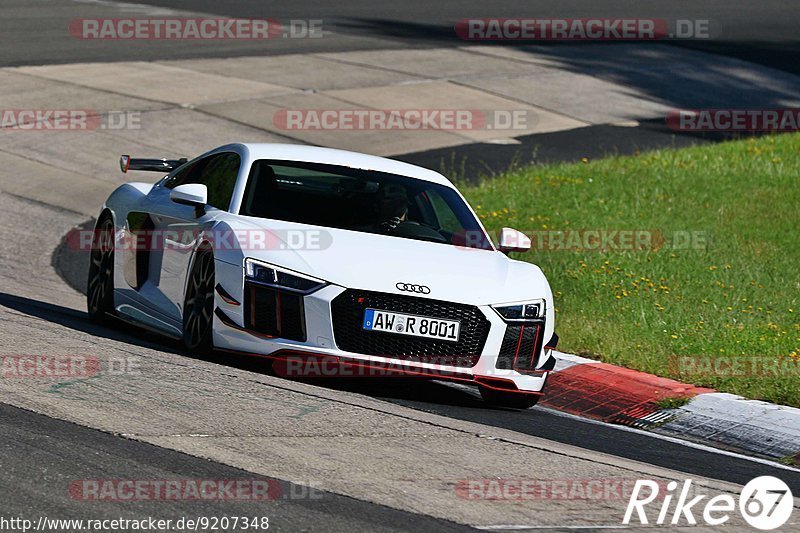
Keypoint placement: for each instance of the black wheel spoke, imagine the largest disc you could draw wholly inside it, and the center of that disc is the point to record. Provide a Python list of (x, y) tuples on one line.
[(199, 302), (100, 282)]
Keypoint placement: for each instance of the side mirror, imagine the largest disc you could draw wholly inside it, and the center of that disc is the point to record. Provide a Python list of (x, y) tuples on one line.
[(195, 194), (512, 240)]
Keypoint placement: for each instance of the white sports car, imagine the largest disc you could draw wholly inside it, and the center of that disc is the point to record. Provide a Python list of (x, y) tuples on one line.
[(310, 256)]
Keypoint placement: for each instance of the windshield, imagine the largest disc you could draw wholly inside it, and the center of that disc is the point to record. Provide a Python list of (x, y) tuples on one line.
[(360, 200)]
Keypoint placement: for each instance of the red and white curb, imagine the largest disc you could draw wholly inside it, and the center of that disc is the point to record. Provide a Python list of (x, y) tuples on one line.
[(618, 395)]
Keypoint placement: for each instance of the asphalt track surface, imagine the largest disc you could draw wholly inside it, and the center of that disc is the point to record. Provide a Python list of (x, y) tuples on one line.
[(42, 457), (31, 444), (33, 31)]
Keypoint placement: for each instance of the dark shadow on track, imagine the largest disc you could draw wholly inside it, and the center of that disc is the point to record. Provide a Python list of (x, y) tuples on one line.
[(79, 321), (472, 162)]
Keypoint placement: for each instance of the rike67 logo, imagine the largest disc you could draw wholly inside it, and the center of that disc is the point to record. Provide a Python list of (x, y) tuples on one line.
[(765, 503)]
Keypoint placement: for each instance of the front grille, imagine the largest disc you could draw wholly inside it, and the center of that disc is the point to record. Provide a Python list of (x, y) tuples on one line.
[(348, 315), (521, 346), (274, 312)]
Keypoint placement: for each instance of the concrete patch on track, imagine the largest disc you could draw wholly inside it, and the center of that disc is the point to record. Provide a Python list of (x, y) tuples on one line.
[(156, 82), (305, 72)]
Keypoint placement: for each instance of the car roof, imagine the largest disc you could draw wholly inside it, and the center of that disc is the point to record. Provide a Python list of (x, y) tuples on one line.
[(331, 156)]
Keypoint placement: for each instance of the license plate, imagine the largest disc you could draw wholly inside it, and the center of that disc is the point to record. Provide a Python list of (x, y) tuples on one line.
[(412, 325)]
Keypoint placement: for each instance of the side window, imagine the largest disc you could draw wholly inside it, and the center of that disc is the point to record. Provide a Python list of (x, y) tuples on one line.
[(219, 175), (184, 175), (217, 172), (447, 220)]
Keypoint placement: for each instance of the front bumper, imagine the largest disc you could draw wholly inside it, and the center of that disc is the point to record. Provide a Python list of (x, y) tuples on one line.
[(498, 364)]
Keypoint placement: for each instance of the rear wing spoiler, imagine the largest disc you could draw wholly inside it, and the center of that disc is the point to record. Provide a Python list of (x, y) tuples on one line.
[(127, 163)]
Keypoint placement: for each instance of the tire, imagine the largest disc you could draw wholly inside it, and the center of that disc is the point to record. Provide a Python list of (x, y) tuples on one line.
[(512, 400), (100, 282), (198, 307)]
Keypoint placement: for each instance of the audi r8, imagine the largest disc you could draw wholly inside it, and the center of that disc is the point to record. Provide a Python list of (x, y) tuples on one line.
[(305, 254)]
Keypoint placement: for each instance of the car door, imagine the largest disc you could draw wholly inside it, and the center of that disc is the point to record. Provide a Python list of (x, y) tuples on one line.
[(177, 227)]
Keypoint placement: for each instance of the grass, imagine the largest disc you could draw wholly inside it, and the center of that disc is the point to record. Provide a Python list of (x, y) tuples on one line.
[(673, 402), (791, 460), (732, 295)]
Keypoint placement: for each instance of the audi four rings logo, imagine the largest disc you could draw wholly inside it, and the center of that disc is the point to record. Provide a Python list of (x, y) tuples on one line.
[(410, 287)]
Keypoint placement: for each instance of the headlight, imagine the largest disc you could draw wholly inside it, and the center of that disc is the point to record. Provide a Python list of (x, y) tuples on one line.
[(280, 277), (520, 311)]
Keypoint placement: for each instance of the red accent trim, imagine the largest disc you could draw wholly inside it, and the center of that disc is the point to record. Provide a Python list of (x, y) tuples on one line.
[(536, 348), (227, 298), (534, 354), (500, 384), (519, 344), (226, 320), (252, 306)]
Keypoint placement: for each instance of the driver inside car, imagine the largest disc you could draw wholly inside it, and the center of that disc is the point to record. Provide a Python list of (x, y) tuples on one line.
[(392, 208), (392, 217)]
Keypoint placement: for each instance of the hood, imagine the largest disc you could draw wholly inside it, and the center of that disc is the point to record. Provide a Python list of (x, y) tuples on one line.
[(378, 263)]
